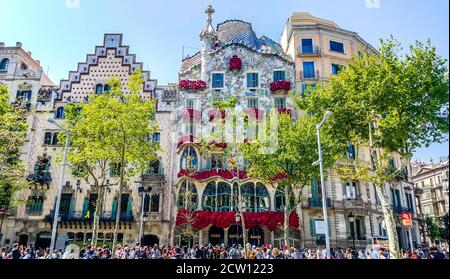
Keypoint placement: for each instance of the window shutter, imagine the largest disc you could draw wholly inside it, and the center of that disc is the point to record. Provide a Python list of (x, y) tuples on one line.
[(315, 189), (85, 207), (312, 226), (48, 138), (114, 209), (130, 205), (249, 80), (72, 207)]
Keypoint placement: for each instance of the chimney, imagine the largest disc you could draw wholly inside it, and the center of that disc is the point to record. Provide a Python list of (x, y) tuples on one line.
[(2, 44), (18, 44)]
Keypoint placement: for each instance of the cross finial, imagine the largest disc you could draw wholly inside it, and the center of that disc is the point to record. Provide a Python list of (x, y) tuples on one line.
[(209, 11)]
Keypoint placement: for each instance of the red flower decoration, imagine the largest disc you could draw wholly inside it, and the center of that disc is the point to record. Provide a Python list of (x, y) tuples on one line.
[(235, 63), (202, 219), (192, 84), (285, 111), (185, 139), (280, 85)]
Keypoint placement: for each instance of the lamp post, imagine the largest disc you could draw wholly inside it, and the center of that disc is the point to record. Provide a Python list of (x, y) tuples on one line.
[(144, 218), (322, 183), (237, 218), (351, 220), (60, 186)]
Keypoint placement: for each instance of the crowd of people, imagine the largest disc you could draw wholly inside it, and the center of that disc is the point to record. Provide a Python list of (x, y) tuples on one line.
[(210, 252)]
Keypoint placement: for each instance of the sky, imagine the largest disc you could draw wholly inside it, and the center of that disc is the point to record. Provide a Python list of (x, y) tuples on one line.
[(60, 33)]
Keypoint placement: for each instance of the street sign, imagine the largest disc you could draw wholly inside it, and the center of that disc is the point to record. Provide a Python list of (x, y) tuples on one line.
[(406, 218)]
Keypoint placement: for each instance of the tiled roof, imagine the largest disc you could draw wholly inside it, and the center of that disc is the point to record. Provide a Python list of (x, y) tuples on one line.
[(190, 62)]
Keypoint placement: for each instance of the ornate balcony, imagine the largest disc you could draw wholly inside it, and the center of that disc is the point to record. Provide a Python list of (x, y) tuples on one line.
[(317, 202), (309, 75)]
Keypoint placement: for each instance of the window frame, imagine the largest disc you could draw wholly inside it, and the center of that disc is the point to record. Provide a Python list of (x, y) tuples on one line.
[(312, 45), (278, 70), (303, 69), (5, 63), (246, 79), (212, 80), (340, 68), (279, 98), (254, 99), (339, 42)]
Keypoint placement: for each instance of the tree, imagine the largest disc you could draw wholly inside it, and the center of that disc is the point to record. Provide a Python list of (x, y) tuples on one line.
[(444, 228), (290, 168), (111, 130), (391, 103), (433, 231), (13, 127)]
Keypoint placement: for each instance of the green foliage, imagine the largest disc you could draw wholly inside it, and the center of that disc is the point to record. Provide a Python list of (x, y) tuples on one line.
[(13, 127), (444, 227), (222, 105), (433, 231)]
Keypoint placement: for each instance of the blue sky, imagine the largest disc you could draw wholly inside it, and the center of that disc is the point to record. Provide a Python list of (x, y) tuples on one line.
[(156, 30)]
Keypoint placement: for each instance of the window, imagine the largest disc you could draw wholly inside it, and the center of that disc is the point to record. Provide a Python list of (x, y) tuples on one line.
[(307, 88), (280, 103), (217, 80), (307, 46), (280, 200), (99, 89), (279, 75), (107, 88), (124, 203), (377, 199), (252, 80), (23, 96), (51, 138), (189, 157), (351, 152), (350, 190), (336, 46), (255, 199), (59, 114), (35, 202), (187, 198), (156, 137), (190, 104), (252, 103), (217, 161), (155, 203), (4, 64), (114, 169), (154, 167), (308, 70), (382, 228), (409, 201), (336, 68)]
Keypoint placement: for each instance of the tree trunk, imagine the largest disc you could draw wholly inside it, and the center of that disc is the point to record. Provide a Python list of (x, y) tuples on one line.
[(97, 214), (121, 184), (390, 223), (286, 216)]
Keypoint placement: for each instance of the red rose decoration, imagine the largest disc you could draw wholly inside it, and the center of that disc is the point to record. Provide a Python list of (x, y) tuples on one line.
[(285, 111), (235, 63), (192, 84), (280, 85)]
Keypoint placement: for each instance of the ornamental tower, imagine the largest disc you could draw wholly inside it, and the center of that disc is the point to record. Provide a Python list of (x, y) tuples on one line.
[(208, 37)]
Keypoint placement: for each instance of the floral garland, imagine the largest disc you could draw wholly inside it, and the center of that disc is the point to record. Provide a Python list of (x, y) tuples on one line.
[(192, 114), (225, 174), (192, 84), (185, 139), (202, 219), (280, 85), (285, 111), (235, 63)]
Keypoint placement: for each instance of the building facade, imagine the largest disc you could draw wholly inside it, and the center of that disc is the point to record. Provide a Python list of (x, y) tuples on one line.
[(232, 63), (432, 180), (320, 49)]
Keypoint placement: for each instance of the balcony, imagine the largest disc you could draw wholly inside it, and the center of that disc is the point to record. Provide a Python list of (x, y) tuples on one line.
[(27, 74), (317, 202), (400, 209), (308, 51), (106, 216), (151, 177), (309, 75)]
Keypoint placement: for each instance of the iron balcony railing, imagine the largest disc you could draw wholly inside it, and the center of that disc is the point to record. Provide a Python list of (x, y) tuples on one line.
[(78, 216), (308, 50), (317, 202), (309, 75)]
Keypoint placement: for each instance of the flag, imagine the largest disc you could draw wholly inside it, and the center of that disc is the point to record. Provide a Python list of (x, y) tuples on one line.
[(231, 160), (88, 214)]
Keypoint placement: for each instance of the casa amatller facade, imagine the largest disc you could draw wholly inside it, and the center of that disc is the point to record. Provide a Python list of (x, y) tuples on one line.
[(233, 62)]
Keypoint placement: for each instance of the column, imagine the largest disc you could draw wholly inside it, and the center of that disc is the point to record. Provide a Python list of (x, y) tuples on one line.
[(225, 236)]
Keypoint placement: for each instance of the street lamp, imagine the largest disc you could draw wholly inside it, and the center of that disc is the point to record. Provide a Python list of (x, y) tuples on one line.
[(351, 220), (237, 218), (60, 185), (144, 218), (322, 183)]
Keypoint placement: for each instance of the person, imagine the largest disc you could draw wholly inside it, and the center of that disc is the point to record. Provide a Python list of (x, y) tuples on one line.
[(15, 252), (436, 254), (27, 255)]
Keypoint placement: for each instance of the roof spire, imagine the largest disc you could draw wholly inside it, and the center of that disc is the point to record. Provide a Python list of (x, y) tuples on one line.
[(209, 29)]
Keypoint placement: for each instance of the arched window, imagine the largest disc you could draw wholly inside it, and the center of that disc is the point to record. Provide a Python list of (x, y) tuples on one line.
[(187, 196), (99, 89), (280, 200), (223, 197), (189, 158), (59, 114), (4, 64), (107, 88), (262, 198), (248, 196), (209, 197), (255, 198)]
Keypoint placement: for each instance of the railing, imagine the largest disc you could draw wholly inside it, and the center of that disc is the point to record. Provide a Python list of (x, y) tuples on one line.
[(309, 75), (153, 177), (78, 216), (35, 208), (308, 50), (317, 202), (20, 73), (400, 209)]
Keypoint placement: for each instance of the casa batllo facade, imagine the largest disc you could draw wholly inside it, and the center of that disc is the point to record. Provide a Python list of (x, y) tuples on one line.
[(233, 62)]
